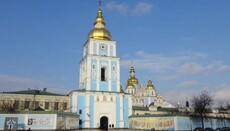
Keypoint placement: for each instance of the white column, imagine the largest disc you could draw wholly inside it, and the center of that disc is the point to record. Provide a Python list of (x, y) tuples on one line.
[(98, 75), (88, 75), (74, 102), (121, 111), (109, 75), (114, 50), (87, 120), (118, 75), (108, 51)]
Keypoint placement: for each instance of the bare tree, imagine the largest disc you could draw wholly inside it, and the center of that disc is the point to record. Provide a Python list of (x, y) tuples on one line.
[(227, 106), (201, 104)]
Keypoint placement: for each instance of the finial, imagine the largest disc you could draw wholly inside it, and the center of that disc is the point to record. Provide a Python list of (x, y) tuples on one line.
[(99, 2), (149, 76)]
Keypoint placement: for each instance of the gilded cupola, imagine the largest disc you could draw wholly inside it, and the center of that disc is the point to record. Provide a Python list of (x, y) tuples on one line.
[(99, 31), (132, 81), (150, 85)]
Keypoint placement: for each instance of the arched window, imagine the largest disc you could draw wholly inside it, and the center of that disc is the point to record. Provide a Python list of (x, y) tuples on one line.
[(93, 66), (102, 74), (104, 98), (111, 98), (97, 98)]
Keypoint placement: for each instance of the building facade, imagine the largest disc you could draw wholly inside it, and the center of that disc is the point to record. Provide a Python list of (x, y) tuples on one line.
[(144, 96), (99, 101), (26, 100)]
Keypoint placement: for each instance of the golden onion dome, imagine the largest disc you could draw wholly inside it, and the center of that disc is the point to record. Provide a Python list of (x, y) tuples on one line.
[(99, 31), (150, 85), (129, 86), (132, 81)]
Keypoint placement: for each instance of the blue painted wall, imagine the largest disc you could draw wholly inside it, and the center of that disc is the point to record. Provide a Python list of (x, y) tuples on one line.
[(117, 112), (183, 123), (93, 85), (104, 86), (114, 87), (81, 106), (196, 122), (91, 111), (126, 112)]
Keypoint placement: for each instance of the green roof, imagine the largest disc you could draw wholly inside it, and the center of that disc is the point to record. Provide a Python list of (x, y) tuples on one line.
[(140, 108), (84, 90), (34, 92), (42, 112)]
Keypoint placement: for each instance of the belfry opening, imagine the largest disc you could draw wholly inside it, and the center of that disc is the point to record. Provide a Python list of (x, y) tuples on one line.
[(103, 74)]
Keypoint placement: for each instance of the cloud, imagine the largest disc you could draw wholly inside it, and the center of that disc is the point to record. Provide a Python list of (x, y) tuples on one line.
[(221, 93), (176, 64), (15, 83), (191, 68), (123, 8), (144, 61), (168, 77), (159, 62), (142, 8), (186, 84), (179, 96), (222, 67), (195, 68)]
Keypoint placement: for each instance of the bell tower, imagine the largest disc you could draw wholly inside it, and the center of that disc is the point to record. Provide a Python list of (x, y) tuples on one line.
[(99, 67), (99, 84)]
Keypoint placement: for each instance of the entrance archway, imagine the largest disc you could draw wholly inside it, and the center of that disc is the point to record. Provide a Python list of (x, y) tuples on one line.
[(104, 122)]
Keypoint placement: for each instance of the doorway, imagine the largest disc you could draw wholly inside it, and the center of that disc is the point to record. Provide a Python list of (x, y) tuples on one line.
[(104, 122)]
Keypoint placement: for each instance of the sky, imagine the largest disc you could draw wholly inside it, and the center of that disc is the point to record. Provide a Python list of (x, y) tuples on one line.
[(181, 45)]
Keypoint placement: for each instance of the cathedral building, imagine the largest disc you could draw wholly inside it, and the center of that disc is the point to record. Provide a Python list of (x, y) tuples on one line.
[(99, 100), (144, 96)]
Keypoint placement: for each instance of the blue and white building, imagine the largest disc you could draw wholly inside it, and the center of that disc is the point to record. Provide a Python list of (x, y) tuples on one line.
[(99, 100)]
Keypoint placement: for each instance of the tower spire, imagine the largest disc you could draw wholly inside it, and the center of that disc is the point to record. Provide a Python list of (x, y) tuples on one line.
[(99, 31)]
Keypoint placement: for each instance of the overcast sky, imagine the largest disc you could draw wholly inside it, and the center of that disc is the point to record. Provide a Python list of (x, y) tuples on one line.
[(181, 45)]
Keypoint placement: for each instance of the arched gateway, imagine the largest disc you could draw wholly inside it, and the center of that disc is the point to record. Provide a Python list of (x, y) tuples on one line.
[(104, 122)]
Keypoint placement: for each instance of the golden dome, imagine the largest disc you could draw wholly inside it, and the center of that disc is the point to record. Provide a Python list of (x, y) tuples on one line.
[(129, 85), (132, 81), (99, 31), (150, 85)]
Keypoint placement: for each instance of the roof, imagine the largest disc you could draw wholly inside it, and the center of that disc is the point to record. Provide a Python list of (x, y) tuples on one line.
[(140, 108), (84, 90), (42, 112), (34, 92)]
